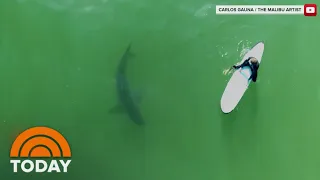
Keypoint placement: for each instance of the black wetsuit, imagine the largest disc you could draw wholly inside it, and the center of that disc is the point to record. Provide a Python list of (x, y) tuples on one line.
[(253, 66)]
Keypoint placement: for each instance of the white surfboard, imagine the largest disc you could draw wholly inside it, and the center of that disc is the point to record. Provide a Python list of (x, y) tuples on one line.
[(239, 81)]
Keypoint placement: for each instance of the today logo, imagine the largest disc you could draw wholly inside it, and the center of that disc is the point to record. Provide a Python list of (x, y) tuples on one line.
[(40, 149)]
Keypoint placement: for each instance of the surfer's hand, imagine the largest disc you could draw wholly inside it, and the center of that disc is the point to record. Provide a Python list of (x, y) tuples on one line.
[(225, 72), (235, 67)]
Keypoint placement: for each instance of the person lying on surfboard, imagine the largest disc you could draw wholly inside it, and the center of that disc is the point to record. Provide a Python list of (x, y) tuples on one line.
[(251, 62)]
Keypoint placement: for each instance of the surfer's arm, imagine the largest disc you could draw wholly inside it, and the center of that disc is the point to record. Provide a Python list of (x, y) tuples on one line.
[(235, 67), (241, 65)]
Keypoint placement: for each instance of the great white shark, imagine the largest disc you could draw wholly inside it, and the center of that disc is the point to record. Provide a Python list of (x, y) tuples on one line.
[(127, 101)]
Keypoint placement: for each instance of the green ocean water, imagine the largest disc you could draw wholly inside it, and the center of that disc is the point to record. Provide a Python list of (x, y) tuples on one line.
[(58, 60)]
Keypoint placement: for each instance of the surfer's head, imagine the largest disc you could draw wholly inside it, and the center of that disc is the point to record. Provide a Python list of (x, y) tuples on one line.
[(254, 60)]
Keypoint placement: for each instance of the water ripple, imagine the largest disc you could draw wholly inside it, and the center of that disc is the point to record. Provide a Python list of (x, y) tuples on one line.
[(204, 10), (57, 4), (243, 47)]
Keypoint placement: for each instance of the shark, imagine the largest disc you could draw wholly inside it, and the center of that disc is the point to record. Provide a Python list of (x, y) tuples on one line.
[(128, 103)]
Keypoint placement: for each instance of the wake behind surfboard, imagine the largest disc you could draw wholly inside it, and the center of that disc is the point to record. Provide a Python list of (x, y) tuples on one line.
[(239, 81)]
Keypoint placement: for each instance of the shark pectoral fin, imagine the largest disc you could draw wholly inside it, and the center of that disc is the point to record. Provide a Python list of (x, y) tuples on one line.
[(132, 55), (137, 96), (118, 109)]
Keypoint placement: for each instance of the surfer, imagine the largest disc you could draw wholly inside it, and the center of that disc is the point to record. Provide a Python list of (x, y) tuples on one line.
[(244, 72), (252, 63)]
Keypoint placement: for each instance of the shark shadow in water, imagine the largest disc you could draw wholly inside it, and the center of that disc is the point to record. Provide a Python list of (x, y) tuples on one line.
[(128, 103)]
